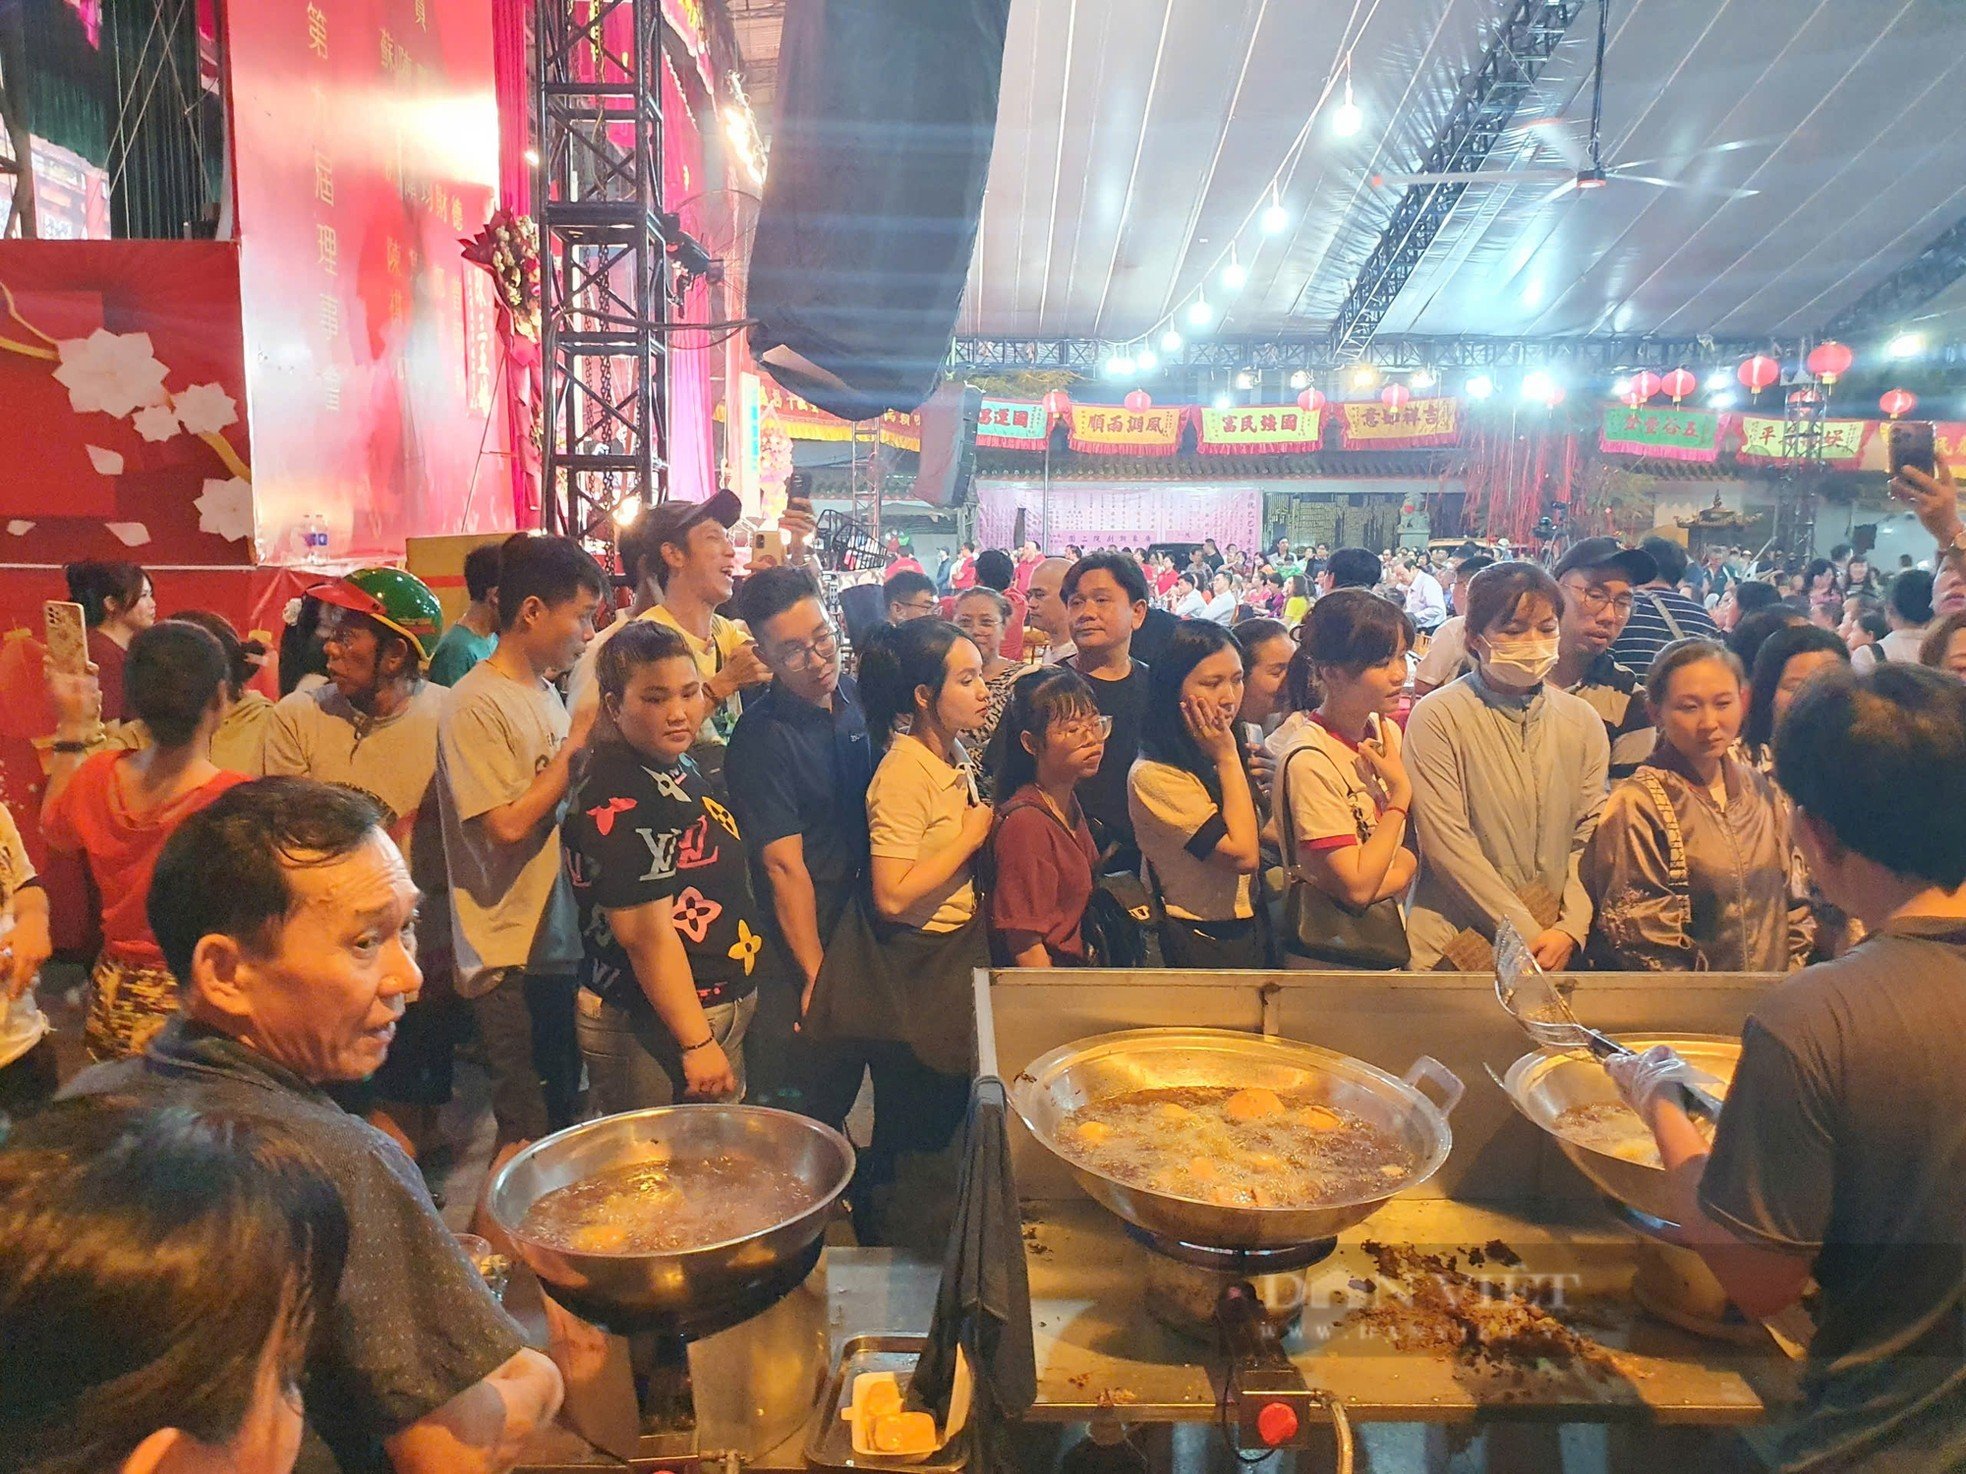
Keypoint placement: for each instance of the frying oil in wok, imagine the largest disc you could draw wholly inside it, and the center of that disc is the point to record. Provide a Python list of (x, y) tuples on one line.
[(1614, 1128), (666, 1207), (1250, 1148)]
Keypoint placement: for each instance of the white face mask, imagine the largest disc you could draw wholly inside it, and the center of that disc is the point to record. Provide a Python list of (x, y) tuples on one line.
[(1521, 660)]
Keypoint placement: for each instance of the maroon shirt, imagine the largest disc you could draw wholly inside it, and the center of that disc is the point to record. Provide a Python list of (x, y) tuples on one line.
[(1043, 879), (109, 658)]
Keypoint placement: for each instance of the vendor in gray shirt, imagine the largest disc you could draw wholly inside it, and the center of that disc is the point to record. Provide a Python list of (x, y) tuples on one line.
[(1509, 777), (287, 915), (1842, 1148)]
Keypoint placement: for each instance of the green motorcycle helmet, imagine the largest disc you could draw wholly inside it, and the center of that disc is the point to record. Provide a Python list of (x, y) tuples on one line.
[(397, 600)]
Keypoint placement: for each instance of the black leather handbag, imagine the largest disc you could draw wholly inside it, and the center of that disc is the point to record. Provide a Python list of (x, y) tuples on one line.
[(1317, 925)]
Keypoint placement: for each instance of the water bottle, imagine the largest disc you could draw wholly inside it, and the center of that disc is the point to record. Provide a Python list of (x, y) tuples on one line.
[(313, 539)]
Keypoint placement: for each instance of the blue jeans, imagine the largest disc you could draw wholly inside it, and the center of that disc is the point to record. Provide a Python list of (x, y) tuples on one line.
[(632, 1059)]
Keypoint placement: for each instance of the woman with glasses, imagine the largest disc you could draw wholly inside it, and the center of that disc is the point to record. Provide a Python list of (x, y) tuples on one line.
[(1193, 806), (1052, 738)]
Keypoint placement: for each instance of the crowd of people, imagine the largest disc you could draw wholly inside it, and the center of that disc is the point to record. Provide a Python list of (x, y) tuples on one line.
[(744, 844)]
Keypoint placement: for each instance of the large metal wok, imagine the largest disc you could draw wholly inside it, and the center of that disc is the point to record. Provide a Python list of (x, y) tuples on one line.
[(1547, 1082), (1058, 1083), (704, 1289)]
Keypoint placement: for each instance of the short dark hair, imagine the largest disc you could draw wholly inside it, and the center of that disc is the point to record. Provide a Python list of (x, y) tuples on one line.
[(149, 1258), (905, 585), (1752, 594), (1469, 566), (1251, 633), (640, 642), (1748, 636), (94, 581), (1771, 661), (223, 871), (1840, 553), (1497, 592), (481, 572), (1667, 556), (1880, 759), (1047, 695), (1353, 568), (769, 592), (638, 546), (549, 569), (1873, 623), (1126, 573), (994, 569), (174, 672), (242, 656), (1911, 596)]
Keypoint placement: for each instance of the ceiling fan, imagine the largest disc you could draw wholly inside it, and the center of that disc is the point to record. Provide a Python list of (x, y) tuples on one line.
[(1583, 161)]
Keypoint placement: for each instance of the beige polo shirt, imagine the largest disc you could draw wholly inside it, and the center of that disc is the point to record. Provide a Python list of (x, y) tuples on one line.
[(915, 807)]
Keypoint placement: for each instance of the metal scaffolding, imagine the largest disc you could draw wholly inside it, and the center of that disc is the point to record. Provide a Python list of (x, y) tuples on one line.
[(1522, 46), (1797, 492), (1597, 354), (606, 293)]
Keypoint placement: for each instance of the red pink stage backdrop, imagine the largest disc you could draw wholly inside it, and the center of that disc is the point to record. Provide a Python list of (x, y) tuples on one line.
[(366, 137)]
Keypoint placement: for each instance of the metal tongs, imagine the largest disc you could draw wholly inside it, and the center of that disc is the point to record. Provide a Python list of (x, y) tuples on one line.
[(1532, 1000)]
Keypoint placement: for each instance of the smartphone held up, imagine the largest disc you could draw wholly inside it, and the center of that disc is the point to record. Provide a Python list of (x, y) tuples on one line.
[(1912, 444)]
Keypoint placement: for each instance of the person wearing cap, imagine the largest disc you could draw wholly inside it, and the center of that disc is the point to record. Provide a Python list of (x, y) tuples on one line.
[(685, 550), (1597, 577), (373, 728)]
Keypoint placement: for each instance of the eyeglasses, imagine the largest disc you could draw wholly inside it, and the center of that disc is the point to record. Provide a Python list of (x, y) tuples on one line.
[(798, 657), (979, 623), (923, 605), (1086, 729), (1597, 601)]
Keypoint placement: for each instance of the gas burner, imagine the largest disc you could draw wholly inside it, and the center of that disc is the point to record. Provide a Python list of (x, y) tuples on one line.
[(1236, 1263)]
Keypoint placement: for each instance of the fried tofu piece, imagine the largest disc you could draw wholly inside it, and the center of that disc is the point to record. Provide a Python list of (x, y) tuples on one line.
[(904, 1434), (1202, 1169), (1092, 1133), (1252, 1104), (881, 1399), (1319, 1118), (1171, 1114), (599, 1238)]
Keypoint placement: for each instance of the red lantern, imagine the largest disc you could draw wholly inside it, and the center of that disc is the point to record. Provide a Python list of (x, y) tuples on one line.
[(1897, 403), (1829, 360), (1758, 373), (1804, 397), (1138, 400), (1679, 383), (1645, 384), (1057, 404), (1311, 401), (1395, 396), (1554, 397)]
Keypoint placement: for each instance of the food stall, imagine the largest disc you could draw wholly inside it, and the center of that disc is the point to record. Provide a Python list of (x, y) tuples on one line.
[(1494, 1284)]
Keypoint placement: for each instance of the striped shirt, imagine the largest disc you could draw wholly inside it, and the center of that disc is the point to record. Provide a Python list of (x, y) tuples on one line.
[(1654, 613)]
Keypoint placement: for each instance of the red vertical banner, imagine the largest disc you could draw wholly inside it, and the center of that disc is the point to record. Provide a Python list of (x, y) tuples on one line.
[(366, 144)]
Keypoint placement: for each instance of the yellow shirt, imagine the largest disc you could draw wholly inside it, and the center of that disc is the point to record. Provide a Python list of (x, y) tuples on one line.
[(915, 806), (727, 637)]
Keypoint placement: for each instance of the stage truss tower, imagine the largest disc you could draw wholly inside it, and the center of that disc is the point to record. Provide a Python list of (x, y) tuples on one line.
[(607, 290), (1802, 473)]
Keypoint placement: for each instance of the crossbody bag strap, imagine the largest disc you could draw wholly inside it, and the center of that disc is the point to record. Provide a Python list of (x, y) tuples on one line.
[(1676, 875), (1665, 613)]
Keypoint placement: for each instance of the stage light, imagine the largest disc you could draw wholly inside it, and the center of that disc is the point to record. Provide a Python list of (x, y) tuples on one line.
[(1421, 379), (532, 158), (1300, 380), (1235, 273), (1480, 387), (1621, 387), (1721, 399), (1905, 345), (1145, 361), (1364, 376), (1720, 381), (1170, 341), (1223, 401), (1348, 117), (1200, 314), (626, 512), (1119, 366), (1538, 386), (1276, 219)]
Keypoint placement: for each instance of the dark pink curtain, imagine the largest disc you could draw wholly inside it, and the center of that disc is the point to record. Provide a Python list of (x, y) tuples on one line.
[(522, 385), (692, 468)]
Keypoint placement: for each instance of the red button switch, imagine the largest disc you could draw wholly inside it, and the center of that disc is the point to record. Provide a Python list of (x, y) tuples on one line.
[(1276, 1423)]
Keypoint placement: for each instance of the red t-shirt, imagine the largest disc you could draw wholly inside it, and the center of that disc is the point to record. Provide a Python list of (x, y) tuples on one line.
[(1043, 879), (91, 815)]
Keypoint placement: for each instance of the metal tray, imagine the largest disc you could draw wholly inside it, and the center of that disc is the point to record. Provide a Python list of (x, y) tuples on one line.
[(830, 1444)]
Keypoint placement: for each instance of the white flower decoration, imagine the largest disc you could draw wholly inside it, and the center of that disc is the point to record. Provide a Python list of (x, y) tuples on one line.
[(19, 527), (129, 534), (114, 373), (108, 462), (205, 409), (225, 509), (155, 422)]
